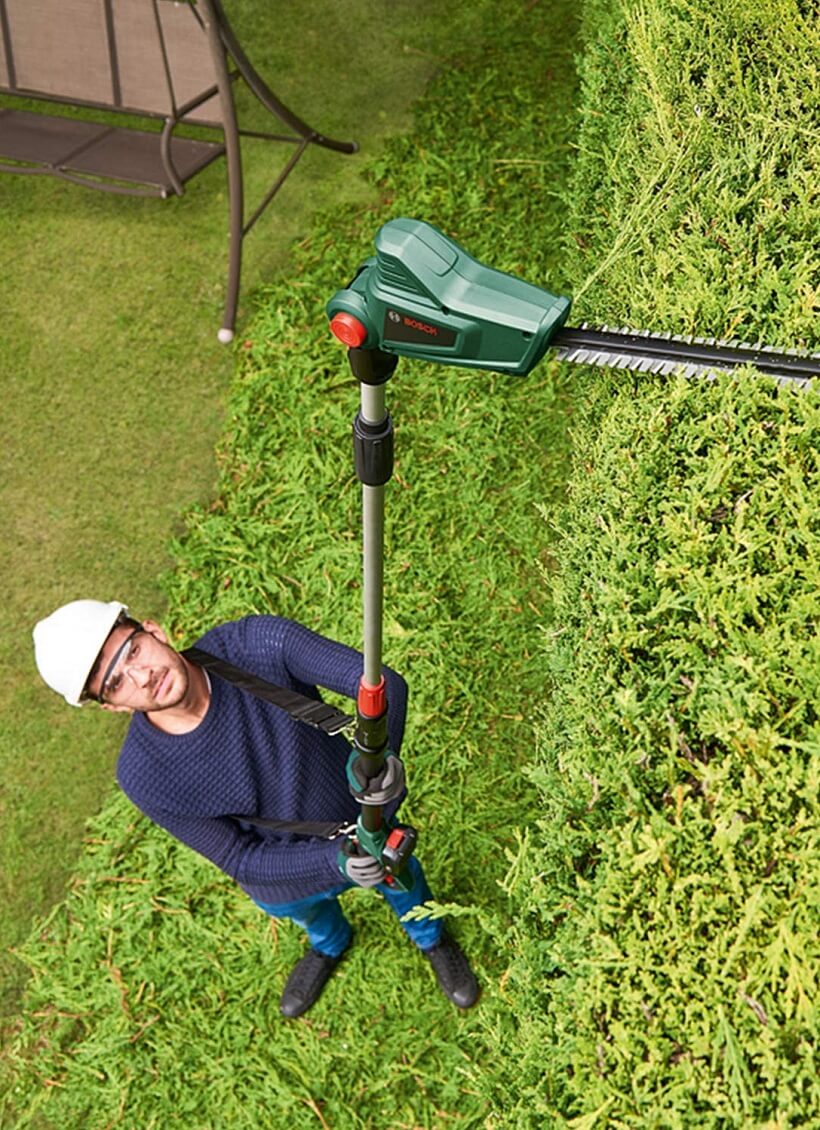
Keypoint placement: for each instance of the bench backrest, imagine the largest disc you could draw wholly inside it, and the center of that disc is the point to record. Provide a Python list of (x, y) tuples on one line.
[(142, 56)]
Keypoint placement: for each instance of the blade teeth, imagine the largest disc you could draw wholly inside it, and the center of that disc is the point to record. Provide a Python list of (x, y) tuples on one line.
[(576, 356), (692, 339), (587, 355)]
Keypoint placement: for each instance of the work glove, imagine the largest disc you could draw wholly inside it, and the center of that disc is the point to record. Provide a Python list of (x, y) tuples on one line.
[(363, 870), (387, 786)]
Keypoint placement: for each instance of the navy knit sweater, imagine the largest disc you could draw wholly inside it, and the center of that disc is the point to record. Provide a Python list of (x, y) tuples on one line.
[(247, 757)]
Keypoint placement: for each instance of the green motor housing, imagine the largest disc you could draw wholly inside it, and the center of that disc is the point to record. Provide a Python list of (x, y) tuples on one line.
[(423, 296)]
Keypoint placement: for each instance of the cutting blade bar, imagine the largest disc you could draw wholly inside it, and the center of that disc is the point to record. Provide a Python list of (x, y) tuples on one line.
[(659, 353)]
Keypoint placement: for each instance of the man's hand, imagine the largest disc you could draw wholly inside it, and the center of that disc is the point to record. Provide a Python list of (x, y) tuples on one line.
[(363, 870), (386, 786)]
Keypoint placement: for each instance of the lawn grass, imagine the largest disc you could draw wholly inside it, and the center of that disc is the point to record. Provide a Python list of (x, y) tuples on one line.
[(114, 387), (153, 1000)]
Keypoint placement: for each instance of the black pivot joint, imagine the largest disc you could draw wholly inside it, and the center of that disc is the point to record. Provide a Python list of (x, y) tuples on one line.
[(372, 366)]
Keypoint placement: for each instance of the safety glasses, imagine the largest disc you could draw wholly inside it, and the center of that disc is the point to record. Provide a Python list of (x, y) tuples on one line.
[(113, 681)]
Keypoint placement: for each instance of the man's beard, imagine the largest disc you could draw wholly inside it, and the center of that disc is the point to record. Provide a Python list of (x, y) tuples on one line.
[(183, 681)]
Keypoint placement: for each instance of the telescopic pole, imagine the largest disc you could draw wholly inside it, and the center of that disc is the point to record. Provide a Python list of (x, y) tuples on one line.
[(372, 414), (373, 450)]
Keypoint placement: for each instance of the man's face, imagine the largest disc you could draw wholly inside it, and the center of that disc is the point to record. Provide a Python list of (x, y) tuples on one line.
[(139, 671)]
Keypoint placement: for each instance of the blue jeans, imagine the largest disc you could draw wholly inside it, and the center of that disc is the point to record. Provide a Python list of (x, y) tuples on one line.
[(329, 931)]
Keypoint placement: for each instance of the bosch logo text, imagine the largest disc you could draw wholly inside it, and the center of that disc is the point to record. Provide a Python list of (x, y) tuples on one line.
[(402, 327), (416, 325)]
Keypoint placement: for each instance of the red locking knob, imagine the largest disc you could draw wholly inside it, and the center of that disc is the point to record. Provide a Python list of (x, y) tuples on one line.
[(372, 701), (348, 330)]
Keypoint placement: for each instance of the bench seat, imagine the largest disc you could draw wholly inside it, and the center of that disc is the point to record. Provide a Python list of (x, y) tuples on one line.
[(110, 153), (170, 64)]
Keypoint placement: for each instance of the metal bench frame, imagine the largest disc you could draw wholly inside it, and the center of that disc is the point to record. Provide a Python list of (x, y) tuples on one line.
[(129, 161)]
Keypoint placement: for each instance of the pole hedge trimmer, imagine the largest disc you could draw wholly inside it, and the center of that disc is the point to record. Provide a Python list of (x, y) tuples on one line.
[(423, 296)]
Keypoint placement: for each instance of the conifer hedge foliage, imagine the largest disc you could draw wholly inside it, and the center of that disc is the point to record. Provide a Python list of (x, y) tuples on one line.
[(667, 902), (668, 906)]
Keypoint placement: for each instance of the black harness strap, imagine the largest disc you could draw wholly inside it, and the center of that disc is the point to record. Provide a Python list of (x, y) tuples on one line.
[(303, 709), (324, 831), (318, 714)]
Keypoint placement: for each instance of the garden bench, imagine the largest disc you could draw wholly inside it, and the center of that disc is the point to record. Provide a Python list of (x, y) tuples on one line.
[(157, 60)]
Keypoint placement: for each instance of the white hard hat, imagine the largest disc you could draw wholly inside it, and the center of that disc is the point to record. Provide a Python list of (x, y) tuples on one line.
[(67, 643)]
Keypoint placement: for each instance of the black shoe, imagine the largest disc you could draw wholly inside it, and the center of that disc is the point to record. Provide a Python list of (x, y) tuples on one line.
[(454, 974), (306, 981)]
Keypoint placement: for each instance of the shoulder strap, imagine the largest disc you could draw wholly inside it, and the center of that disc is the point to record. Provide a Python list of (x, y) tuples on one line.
[(303, 709), (298, 828)]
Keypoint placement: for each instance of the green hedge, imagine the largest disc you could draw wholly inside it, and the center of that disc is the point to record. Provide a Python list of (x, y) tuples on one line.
[(667, 901), (694, 195)]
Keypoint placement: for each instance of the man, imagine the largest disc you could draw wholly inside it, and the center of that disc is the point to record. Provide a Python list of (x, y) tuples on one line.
[(201, 753)]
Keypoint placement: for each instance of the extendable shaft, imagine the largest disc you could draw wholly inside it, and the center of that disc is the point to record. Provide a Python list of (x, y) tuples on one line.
[(373, 450), (373, 416)]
